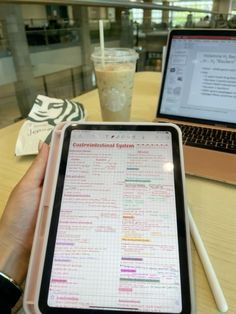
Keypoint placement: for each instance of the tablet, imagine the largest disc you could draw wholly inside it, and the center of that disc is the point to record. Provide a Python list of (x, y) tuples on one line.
[(118, 234)]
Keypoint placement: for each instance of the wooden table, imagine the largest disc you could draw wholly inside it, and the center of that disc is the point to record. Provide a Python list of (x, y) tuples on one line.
[(213, 203)]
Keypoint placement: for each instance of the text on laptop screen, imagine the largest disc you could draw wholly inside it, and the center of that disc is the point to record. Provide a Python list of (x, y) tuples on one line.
[(200, 79)]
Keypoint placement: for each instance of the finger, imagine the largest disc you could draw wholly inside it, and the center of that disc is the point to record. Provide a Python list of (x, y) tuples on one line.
[(36, 172)]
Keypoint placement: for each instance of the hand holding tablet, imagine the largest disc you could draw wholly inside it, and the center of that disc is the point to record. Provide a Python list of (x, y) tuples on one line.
[(116, 237)]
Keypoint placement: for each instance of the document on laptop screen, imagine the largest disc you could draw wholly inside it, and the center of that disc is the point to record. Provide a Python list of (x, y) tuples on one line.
[(200, 79)]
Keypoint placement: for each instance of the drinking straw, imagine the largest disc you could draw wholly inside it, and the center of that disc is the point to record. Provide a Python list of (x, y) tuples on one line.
[(101, 35)]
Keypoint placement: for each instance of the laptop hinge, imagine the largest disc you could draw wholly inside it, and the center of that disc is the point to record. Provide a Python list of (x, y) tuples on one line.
[(219, 125)]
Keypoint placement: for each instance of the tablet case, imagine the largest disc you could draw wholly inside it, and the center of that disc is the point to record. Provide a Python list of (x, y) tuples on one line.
[(43, 220), (33, 281)]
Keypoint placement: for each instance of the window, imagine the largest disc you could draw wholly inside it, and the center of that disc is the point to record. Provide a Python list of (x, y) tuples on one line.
[(137, 15), (156, 16), (179, 18)]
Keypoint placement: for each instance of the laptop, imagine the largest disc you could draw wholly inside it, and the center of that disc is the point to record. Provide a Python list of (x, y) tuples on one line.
[(198, 93)]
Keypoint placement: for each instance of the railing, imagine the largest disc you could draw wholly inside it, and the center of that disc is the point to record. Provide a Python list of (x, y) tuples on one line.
[(151, 5), (43, 37)]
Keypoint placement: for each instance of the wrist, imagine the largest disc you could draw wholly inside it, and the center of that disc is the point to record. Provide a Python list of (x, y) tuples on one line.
[(13, 259)]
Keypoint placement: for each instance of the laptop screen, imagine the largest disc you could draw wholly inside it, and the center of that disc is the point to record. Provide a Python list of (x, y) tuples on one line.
[(199, 80)]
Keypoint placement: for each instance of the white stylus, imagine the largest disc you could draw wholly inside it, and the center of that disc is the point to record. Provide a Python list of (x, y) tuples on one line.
[(209, 270)]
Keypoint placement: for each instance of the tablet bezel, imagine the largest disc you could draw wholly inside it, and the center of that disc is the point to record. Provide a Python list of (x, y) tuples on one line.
[(181, 217)]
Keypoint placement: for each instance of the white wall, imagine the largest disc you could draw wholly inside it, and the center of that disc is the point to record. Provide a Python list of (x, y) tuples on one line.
[(233, 5), (70, 12), (35, 13), (43, 63), (7, 70), (46, 62)]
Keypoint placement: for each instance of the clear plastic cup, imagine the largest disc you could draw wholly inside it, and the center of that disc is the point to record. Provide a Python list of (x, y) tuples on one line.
[(115, 76)]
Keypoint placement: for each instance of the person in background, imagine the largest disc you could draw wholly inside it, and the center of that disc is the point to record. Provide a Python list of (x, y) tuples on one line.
[(221, 21), (189, 22), (232, 22), (17, 226), (204, 22)]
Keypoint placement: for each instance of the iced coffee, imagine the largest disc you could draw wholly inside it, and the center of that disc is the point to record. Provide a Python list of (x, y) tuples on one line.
[(115, 76)]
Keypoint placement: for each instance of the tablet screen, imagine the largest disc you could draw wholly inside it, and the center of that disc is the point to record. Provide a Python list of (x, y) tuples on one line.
[(116, 244)]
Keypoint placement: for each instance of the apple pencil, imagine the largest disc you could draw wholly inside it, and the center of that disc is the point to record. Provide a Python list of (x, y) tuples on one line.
[(209, 270)]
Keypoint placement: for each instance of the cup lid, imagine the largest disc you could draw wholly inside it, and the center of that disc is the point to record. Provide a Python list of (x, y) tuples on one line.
[(114, 55)]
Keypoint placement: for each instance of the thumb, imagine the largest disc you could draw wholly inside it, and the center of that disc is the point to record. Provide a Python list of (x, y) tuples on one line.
[(35, 174)]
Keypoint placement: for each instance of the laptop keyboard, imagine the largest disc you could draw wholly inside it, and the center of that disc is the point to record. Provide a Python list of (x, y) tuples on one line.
[(220, 140)]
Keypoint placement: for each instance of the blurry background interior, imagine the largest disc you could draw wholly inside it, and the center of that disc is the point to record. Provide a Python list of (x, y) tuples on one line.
[(45, 48)]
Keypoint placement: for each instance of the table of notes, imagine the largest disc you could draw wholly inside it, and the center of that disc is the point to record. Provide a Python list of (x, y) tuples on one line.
[(117, 245)]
